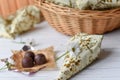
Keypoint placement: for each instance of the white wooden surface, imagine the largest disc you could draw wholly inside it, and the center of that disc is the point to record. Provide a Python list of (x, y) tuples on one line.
[(106, 67)]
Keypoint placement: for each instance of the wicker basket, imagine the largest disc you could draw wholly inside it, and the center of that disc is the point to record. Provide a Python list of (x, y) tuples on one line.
[(71, 21), (8, 7)]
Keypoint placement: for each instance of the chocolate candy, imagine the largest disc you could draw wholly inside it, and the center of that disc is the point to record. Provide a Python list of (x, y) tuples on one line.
[(30, 59), (40, 59), (27, 62), (29, 54), (26, 48)]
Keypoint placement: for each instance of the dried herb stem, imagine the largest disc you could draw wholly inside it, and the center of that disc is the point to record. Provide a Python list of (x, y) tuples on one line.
[(19, 42), (3, 68), (61, 56), (89, 49)]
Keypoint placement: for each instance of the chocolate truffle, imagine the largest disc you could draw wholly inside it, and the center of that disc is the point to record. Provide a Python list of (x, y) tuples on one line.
[(27, 62), (40, 59), (29, 54)]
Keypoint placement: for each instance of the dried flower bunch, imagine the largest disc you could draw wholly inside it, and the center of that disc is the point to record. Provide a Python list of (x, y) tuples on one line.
[(88, 4), (7, 65)]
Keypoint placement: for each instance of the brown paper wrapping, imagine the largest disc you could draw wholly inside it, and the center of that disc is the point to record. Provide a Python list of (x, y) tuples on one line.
[(48, 52)]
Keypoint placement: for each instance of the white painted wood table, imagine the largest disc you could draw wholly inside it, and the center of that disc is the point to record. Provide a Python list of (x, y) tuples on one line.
[(106, 67)]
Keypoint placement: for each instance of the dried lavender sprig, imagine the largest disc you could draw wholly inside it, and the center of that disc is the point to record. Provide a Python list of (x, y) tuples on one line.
[(19, 42), (3, 68), (7, 65)]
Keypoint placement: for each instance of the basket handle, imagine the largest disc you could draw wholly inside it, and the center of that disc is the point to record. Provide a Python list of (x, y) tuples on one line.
[(40, 1), (115, 10)]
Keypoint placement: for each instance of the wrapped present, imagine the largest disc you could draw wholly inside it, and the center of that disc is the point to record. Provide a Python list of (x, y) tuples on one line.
[(23, 20), (81, 51), (104, 4), (88, 4)]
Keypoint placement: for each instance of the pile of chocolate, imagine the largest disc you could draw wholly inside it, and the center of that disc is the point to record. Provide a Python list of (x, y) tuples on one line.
[(30, 59)]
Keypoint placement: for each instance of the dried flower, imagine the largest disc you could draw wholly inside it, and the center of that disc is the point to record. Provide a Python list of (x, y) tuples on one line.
[(7, 65)]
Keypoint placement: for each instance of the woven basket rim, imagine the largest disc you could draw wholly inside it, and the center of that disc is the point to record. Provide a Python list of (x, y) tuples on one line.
[(77, 12), (65, 7), (71, 21)]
